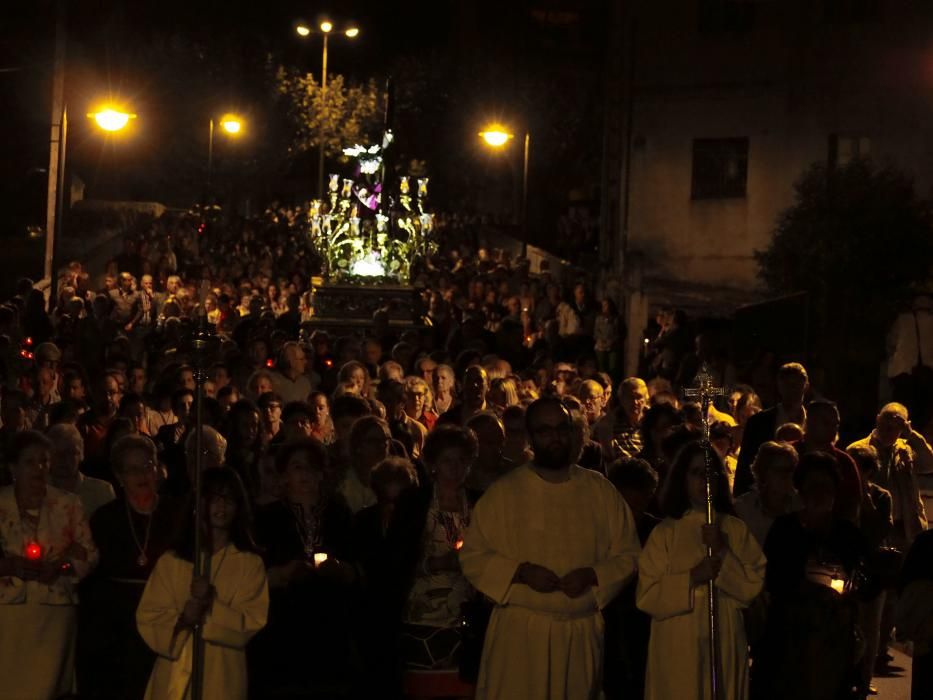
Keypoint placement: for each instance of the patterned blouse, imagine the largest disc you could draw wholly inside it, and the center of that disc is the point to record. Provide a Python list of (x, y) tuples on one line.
[(61, 523)]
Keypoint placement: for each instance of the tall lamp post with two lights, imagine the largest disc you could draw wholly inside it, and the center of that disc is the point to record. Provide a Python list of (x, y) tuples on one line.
[(325, 28)]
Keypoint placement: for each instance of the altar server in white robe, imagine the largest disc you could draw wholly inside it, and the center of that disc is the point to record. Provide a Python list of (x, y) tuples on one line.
[(552, 544), (230, 602), (673, 573)]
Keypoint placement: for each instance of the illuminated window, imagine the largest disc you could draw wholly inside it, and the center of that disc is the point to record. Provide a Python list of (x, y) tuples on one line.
[(720, 168)]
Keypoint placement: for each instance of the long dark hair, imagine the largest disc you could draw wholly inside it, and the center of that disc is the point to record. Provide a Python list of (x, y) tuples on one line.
[(213, 481), (675, 501)]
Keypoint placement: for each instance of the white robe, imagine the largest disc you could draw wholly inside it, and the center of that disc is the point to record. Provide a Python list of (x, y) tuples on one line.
[(547, 646), (678, 653), (239, 611)]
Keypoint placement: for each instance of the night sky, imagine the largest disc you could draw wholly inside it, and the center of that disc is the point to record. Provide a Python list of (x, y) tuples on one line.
[(174, 63)]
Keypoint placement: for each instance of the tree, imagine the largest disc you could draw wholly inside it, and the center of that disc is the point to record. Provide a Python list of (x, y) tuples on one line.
[(859, 241), (342, 115)]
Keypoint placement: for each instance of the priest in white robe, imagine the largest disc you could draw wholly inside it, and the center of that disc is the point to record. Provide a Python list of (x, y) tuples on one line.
[(551, 544)]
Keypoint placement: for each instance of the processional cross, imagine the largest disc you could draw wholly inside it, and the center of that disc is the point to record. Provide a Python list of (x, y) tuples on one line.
[(704, 391)]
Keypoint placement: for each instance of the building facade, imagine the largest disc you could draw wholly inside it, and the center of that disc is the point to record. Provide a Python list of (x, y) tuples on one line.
[(724, 104)]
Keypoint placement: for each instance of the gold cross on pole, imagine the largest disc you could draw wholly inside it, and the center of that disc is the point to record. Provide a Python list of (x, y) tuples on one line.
[(704, 391)]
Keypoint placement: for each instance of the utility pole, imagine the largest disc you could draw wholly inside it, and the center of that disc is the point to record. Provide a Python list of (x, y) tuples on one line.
[(59, 125)]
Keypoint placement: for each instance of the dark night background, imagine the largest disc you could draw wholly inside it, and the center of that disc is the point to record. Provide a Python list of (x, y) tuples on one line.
[(456, 65)]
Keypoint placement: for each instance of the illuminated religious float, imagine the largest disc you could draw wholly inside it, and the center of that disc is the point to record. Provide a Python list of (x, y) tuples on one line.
[(370, 241)]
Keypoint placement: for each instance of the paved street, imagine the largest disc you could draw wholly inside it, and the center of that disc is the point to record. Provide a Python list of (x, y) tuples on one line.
[(896, 687)]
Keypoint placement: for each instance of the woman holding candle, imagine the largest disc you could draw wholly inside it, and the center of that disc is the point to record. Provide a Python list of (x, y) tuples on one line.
[(46, 549), (305, 536), (810, 648), (425, 537)]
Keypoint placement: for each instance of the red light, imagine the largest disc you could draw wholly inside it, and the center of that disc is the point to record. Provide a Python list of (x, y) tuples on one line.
[(270, 363), (33, 551), (27, 342), (328, 363)]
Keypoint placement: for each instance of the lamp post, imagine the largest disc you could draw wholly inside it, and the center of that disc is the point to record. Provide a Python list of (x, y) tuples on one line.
[(497, 136), (232, 125), (325, 28), (108, 118)]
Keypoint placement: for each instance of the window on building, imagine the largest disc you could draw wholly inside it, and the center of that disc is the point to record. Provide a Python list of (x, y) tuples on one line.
[(726, 16), (720, 168), (844, 149)]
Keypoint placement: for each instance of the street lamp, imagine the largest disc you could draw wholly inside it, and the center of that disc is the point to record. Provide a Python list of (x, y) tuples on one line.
[(111, 118), (497, 136), (325, 28), (232, 125)]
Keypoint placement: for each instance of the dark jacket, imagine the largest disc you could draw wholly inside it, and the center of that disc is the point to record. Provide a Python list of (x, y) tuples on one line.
[(759, 429)]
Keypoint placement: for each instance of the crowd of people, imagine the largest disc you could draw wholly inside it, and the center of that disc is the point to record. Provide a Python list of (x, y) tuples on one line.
[(481, 506)]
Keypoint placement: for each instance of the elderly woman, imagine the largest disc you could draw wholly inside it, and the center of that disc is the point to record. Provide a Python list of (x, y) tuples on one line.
[(773, 494), (445, 385), (47, 547), (417, 394), (305, 539), (64, 472), (369, 445), (426, 536), (131, 532), (260, 382)]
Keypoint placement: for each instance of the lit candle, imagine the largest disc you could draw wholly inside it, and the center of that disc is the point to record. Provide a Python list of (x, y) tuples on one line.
[(838, 585), (319, 558), (458, 544)]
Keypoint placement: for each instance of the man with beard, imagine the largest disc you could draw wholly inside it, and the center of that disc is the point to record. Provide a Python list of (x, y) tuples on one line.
[(551, 544)]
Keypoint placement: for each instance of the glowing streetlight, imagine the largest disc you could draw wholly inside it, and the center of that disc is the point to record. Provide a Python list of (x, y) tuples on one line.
[(325, 28), (497, 136), (111, 119), (232, 125)]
